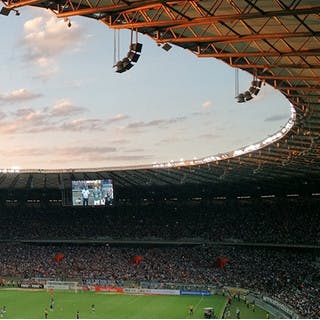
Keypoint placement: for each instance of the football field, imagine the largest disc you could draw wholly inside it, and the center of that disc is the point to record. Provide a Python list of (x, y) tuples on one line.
[(32, 304)]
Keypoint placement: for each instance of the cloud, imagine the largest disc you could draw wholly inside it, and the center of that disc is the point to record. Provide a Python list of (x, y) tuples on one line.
[(58, 117), (31, 121), (90, 124), (103, 153), (277, 117), (19, 95), (2, 115), (208, 136), (47, 38), (25, 152), (117, 118), (60, 154), (202, 113), (81, 158), (24, 120), (74, 151), (64, 108), (83, 125), (96, 154), (171, 139), (79, 83), (155, 123), (144, 157), (120, 141), (137, 150), (207, 104)]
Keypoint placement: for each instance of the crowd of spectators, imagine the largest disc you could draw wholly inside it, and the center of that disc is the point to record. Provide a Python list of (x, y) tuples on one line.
[(286, 221), (289, 275)]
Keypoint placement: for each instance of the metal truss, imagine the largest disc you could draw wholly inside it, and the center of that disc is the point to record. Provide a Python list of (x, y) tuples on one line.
[(276, 41)]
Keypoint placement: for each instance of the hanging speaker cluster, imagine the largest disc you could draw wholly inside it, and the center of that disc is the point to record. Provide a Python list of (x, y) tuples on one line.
[(251, 92), (132, 57), (5, 11)]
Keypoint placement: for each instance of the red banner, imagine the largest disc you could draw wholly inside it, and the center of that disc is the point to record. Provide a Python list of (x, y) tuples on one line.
[(58, 257), (108, 289), (136, 259)]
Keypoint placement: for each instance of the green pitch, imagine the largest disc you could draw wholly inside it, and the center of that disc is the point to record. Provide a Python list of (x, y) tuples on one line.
[(31, 304)]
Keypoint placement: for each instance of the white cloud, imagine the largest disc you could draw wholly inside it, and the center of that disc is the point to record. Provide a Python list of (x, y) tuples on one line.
[(74, 151), (118, 117), (209, 136), (19, 95), (29, 114), (23, 120), (2, 115), (155, 123), (207, 104), (132, 158), (64, 108), (58, 117), (47, 38), (277, 117), (171, 140), (83, 125)]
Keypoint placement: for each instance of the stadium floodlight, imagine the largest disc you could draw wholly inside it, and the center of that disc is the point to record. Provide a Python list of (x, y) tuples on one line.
[(5, 11)]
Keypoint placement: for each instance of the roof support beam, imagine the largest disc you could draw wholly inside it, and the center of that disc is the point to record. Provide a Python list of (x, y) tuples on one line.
[(208, 20), (237, 38), (108, 9), (12, 4), (289, 78), (277, 66), (259, 54), (297, 88)]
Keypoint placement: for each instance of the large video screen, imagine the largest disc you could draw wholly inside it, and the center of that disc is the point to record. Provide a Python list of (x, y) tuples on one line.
[(92, 192)]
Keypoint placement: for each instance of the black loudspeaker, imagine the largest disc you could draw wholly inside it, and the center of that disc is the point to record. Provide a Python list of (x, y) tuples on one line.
[(137, 47), (120, 67), (126, 64), (133, 56), (248, 96), (166, 47), (4, 11), (240, 98)]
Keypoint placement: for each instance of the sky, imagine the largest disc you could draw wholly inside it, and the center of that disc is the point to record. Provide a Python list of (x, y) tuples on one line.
[(62, 105)]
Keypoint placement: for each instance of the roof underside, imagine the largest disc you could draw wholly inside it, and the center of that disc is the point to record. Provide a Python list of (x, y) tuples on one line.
[(276, 41)]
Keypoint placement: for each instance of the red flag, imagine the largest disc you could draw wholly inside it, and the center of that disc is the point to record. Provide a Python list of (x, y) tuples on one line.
[(58, 257), (136, 259)]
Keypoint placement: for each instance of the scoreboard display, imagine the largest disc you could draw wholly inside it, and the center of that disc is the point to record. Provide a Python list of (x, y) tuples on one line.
[(92, 192)]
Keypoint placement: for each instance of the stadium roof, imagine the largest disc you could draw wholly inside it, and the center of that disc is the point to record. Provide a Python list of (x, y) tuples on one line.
[(276, 41)]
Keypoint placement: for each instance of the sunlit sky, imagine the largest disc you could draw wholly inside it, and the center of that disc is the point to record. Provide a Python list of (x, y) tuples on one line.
[(62, 105)]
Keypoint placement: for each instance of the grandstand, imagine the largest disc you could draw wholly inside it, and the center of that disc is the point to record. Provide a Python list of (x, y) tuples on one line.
[(257, 206)]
